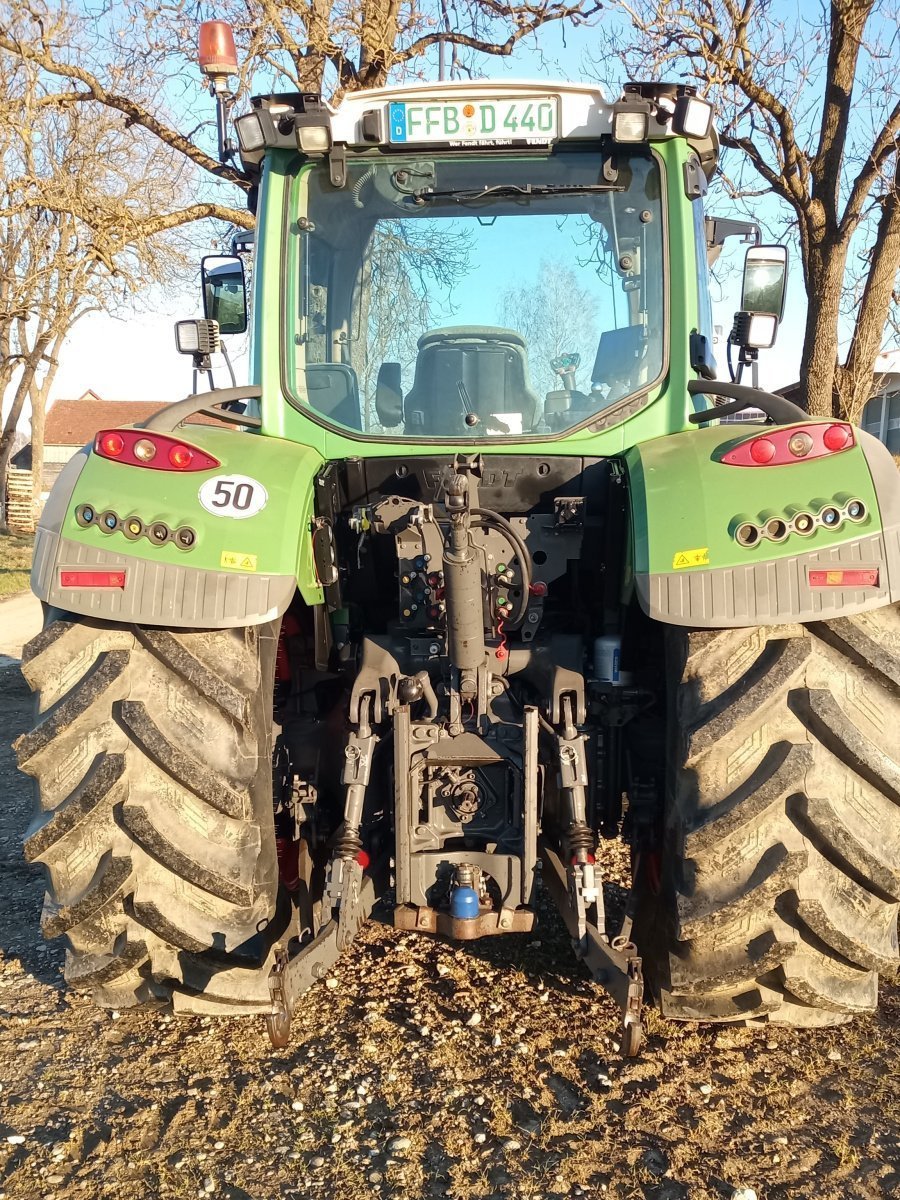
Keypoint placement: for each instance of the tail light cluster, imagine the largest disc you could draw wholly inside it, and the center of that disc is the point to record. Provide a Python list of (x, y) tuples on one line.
[(140, 449), (778, 447), (779, 528)]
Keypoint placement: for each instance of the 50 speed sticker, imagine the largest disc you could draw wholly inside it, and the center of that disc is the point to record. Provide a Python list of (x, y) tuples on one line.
[(236, 496)]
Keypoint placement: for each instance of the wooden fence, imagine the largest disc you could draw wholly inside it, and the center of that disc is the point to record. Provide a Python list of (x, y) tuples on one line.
[(20, 511)]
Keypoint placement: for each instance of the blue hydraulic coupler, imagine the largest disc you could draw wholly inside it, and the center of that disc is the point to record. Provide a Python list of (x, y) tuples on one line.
[(464, 904)]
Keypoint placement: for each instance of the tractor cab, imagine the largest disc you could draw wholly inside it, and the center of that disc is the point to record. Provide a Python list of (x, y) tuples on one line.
[(479, 262)]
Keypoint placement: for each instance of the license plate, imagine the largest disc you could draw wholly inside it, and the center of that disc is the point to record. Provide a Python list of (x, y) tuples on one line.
[(525, 121)]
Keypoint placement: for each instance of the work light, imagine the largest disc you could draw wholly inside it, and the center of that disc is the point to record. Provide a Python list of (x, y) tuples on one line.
[(197, 337), (631, 120), (692, 116), (314, 139), (250, 132)]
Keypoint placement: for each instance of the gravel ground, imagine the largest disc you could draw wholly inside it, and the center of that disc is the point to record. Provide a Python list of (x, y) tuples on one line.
[(419, 1070), (20, 620)]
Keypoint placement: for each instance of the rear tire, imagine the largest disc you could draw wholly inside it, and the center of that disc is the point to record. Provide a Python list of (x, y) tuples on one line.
[(152, 756), (781, 872)]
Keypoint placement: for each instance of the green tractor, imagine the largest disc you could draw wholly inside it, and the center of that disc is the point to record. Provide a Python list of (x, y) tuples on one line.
[(483, 571)]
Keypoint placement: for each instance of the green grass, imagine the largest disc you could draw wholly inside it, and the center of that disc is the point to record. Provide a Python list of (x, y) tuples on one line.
[(15, 562)]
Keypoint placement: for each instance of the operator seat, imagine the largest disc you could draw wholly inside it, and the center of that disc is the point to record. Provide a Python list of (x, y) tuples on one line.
[(333, 391), (470, 368), (617, 366)]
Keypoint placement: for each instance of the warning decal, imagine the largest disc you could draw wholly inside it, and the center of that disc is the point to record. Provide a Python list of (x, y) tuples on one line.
[(691, 558), (238, 561)]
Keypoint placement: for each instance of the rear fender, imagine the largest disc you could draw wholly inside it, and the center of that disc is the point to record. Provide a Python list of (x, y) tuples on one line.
[(238, 570), (686, 504)]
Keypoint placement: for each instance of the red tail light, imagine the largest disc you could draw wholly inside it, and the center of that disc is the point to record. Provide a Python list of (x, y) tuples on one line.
[(138, 448), (798, 443), (181, 457), (110, 445), (838, 437)]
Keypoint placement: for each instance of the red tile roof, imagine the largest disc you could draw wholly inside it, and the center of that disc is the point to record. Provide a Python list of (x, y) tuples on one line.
[(74, 422)]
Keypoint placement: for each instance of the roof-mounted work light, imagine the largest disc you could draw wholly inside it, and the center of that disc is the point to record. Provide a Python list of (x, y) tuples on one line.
[(313, 139), (631, 118), (251, 134), (693, 116), (676, 106)]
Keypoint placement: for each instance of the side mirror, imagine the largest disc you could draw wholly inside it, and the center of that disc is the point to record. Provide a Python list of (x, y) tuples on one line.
[(224, 292), (765, 280)]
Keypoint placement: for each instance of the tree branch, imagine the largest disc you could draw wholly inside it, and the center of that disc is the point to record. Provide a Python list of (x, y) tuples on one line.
[(135, 113)]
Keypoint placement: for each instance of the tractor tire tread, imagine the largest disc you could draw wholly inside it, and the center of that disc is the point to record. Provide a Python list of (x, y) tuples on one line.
[(781, 891), (156, 834)]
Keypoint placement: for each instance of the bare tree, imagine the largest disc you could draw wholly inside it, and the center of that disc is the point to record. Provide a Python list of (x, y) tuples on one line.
[(75, 211), (363, 44), (80, 61), (556, 317), (135, 58), (809, 108)]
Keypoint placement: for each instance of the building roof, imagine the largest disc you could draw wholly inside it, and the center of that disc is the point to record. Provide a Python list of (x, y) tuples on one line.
[(887, 383), (74, 422)]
